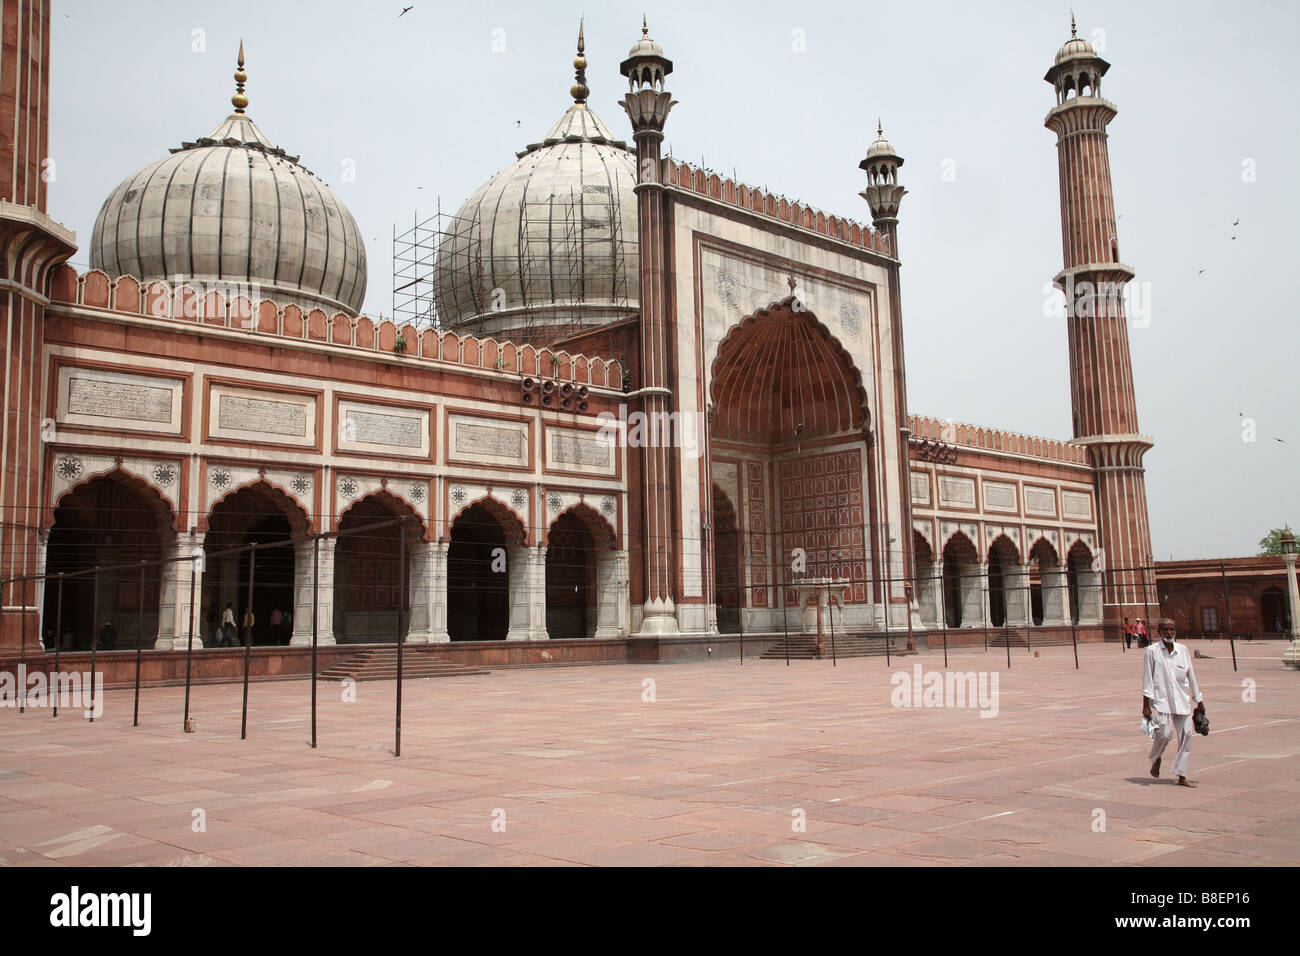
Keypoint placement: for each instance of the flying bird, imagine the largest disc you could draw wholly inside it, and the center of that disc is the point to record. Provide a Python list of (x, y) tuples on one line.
[(1236, 221), (1201, 273), (405, 11), (1282, 440)]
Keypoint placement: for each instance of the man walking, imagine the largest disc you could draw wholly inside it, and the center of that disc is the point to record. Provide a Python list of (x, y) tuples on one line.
[(1168, 690)]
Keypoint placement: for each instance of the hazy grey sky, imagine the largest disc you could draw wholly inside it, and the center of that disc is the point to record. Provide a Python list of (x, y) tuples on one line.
[(787, 94)]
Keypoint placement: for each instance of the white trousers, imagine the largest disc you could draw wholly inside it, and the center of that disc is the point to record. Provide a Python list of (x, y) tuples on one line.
[(1167, 727)]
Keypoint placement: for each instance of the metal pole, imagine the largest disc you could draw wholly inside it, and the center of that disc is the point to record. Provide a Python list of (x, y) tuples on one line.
[(1227, 603), (189, 642), (1074, 625), (785, 621), (830, 609), (1029, 617), (248, 638), (1146, 606), (22, 650), (943, 614), (401, 603), (94, 640), (315, 585), (58, 640), (139, 643)]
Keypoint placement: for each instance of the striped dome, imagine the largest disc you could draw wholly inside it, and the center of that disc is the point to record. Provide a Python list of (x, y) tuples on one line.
[(234, 208), (548, 243)]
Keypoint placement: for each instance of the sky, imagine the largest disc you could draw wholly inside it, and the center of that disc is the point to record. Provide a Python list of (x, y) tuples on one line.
[(399, 113)]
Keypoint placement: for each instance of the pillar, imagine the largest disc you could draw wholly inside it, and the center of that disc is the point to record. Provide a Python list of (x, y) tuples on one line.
[(1016, 590), (304, 559), (1056, 595), (611, 594), (974, 594), (527, 594), (176, 614)]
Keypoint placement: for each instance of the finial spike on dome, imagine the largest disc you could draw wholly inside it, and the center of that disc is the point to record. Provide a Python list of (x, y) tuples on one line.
[(645, 30), (1074, 32), (239, 100), (880, 129), (580, 91)]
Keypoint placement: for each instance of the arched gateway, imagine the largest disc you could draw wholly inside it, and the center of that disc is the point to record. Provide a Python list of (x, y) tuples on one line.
[(788, 450)]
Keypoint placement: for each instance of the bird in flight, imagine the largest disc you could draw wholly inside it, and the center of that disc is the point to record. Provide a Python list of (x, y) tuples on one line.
[(1236, 221), (405, 11)]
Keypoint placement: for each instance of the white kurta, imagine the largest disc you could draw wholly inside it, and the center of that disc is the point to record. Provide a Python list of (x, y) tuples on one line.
[(1168, 680)]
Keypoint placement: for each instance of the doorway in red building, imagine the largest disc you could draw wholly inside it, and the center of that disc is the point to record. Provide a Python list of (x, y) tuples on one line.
[(370, 589), (1273, 616), (257, 514), (108, 520), (726, 569), (484, 543)]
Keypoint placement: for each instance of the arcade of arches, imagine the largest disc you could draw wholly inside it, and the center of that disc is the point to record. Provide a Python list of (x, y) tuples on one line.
[(485, 583), (960, 590)]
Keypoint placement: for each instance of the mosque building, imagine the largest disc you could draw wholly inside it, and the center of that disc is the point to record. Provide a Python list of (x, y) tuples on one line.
[(659, 408)]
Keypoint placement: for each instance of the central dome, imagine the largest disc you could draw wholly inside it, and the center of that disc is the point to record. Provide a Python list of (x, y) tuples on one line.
[(548, 246)]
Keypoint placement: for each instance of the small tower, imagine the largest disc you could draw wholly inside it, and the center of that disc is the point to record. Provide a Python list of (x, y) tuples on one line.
[(647, 104), (883, 193), (1101, 373)]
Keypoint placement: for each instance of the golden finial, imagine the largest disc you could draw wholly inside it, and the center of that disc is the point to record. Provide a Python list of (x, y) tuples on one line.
[(645, 30), (239, 100), (880, 129), (1073, 30), (579, 90)]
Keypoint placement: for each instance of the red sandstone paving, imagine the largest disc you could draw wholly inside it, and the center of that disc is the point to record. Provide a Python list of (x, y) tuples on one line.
[(709, 774)]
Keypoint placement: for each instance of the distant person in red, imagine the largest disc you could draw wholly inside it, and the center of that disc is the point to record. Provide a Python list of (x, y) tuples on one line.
[(1128, 633), (1144, 639)]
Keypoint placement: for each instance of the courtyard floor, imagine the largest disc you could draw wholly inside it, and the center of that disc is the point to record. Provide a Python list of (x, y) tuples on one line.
[(713, 764)]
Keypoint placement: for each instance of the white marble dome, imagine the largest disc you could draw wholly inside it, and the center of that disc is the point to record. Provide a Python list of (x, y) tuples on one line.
[(234, 208), (549, 244)]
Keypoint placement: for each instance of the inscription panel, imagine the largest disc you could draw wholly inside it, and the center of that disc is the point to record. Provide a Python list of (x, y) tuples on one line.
[(999, 496), (488, 441), (1040, 501), (119, 400), (1076, 505), (580, 451), (957, 491), (371, 428), (920, 488), (250, 415)]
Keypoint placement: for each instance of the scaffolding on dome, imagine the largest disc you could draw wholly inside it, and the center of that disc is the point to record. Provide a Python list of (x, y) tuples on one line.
[(567, 266)]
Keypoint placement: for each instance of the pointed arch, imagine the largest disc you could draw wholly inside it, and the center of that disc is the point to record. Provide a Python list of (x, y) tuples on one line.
[(417, 528), (513, 526), (602, 532), (299, 520)]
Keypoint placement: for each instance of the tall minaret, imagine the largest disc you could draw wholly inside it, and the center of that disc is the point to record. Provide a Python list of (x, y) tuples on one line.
[(647, 104), (32, 246), (1093, 280), (883, 195)]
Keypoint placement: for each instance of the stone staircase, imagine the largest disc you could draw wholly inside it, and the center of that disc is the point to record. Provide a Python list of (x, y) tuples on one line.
[(379, 662), (1021, 637), (803, 647)]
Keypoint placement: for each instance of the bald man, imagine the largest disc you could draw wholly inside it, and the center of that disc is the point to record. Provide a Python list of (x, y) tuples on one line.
[(1168, 692)]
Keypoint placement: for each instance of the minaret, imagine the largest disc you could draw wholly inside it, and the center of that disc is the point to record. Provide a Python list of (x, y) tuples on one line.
[(1093, 280), (32, 247), (883, 195), (647, 104)]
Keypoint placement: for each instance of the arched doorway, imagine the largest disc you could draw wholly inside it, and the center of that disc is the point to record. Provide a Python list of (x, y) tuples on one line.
[(962, 598), (108, 520), (726, 567), (370, 588), (1046, 584), (261, 515), (1085, 586), (1006, 596), (789, 415), (1273, 614), (570, 579), (929, 582), (478, 572)]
